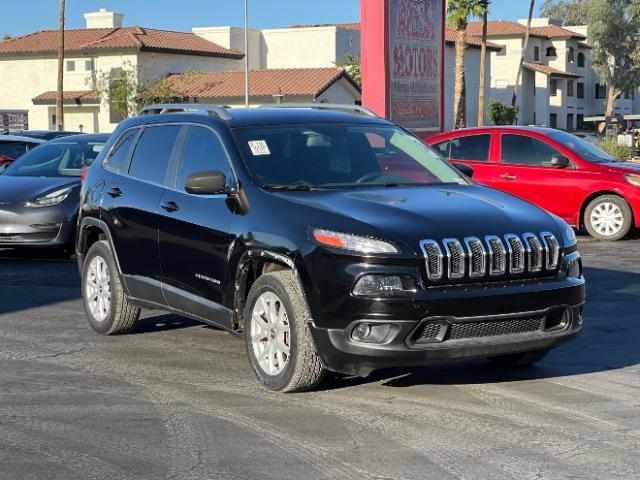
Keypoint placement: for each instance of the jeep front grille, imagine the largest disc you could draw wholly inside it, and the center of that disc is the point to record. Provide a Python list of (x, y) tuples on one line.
[(497, 257)]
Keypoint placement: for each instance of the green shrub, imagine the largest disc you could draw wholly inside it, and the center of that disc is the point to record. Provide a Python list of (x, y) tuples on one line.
[(502, 114), (610, 145)]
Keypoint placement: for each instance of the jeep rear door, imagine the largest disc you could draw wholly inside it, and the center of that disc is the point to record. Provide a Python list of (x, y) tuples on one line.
[(130, 206), (195, 230)]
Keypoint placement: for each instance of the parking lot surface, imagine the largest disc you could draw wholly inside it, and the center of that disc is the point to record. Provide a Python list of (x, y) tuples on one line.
[(177, 399)]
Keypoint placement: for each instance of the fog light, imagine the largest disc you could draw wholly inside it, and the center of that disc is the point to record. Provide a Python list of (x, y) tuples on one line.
[(371, 333), (384, 285)]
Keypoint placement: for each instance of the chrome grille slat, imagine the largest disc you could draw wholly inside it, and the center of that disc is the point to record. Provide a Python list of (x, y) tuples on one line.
[(516, 253), (552, 248), (434, 259), (456, 258), (534, 252), (477, 256), (497, 256)]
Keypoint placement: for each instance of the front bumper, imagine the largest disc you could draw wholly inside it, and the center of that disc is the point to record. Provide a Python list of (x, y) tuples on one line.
[(44, 227), (467, 308)]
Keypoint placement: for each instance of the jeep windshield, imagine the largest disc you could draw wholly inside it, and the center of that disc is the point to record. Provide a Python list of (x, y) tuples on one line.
[(325, 156)]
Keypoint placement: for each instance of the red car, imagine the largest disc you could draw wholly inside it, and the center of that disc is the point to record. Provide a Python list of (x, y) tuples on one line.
[(555, 170)]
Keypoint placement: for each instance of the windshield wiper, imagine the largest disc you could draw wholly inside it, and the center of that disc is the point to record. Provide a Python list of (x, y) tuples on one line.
[(300, 187)]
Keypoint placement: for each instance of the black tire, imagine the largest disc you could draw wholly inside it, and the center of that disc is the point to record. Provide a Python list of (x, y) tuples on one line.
[(121, 315), (623, 206), (516, 360), (303, 369)]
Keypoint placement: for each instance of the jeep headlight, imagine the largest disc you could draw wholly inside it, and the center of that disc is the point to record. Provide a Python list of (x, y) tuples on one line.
[(572, 265), (51, 199), (354, 243), (569, 236)]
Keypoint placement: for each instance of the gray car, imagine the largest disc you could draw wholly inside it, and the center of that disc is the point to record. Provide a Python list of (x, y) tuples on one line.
[(40, 192)]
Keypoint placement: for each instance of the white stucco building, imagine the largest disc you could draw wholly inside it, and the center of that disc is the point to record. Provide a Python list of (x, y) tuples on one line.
[(559, 87)]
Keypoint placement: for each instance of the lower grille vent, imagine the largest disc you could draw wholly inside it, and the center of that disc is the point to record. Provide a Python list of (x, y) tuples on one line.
[(459, 331)]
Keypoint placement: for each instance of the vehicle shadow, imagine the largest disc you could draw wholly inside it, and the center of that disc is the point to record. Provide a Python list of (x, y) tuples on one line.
[(609, 341), (163, 322)]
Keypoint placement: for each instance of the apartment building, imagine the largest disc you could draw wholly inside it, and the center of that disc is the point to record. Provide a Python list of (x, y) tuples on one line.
[(559, 87)]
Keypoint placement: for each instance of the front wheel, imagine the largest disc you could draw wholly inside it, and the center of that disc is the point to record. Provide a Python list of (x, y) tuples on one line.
[(278, 341), (608, 218)]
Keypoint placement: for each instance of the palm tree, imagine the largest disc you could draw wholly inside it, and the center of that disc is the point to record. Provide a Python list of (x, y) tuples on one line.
[(459, 12), (60, 92), (483, 62), (514, 100)]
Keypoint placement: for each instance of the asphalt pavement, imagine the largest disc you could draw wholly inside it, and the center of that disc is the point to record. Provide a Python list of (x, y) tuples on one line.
[(177, 400)]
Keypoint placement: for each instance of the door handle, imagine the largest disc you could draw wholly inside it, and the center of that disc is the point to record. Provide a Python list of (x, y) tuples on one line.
[(508, 176), (170, 206), (114, 192)]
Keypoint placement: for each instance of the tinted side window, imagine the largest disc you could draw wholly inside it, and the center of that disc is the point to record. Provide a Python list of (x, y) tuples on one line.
[(202, 151), (521, 150), (120, 152), (443, 148), (475, 148), (153, 153)]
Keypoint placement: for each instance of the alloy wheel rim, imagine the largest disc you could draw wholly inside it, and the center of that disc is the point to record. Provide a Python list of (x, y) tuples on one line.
[(98, 289), (270, 334), (607, 219)]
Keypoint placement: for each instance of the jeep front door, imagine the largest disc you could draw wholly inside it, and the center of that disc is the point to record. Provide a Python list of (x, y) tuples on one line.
[(195, 230)]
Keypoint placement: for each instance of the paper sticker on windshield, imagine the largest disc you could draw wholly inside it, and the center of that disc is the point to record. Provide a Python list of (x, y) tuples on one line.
[(259, 147)]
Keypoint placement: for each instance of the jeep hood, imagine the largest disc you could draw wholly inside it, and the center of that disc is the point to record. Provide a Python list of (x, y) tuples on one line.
[(410, 214)]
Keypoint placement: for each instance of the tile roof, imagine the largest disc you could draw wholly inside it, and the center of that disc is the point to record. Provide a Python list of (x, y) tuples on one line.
[(472, 41), (350, 26), (506, 28), (95, 39), (287, 81), (547, 70), (78, 96)]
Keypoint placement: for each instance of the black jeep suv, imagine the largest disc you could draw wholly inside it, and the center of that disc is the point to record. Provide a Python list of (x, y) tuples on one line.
[(335, 240)]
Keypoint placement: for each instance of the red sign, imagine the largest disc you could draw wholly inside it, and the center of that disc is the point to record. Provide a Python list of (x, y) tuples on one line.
[(402, 61)]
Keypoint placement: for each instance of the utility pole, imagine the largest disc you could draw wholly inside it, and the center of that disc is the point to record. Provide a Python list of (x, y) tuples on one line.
[(483, 64), (246, 53), (60, 92)]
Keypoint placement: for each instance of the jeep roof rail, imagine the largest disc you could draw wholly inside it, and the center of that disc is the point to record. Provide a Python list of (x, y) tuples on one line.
[(357, 109), (162, 108)]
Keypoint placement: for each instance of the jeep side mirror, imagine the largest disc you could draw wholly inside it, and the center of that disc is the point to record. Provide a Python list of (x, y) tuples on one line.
[(211, 182), (560, 161), (464, 168)]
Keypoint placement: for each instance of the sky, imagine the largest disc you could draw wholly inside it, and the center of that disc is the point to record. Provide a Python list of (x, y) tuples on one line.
[(23, 16)]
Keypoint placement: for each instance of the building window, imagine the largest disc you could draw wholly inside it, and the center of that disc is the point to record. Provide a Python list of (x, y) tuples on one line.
[(553, 87), (88, 65), (601, 91), (570, 121), (580, 121), (71, 66), (501, 84), (581, 60), (536, 54), (502, 52), (580, 93), (553, 120), (551, 52), (571, 55), (570, 88)]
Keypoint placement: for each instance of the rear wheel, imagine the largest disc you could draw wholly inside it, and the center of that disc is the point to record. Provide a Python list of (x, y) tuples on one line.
[(279, 344), (107, 308), (608, 218), (515, 360)]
